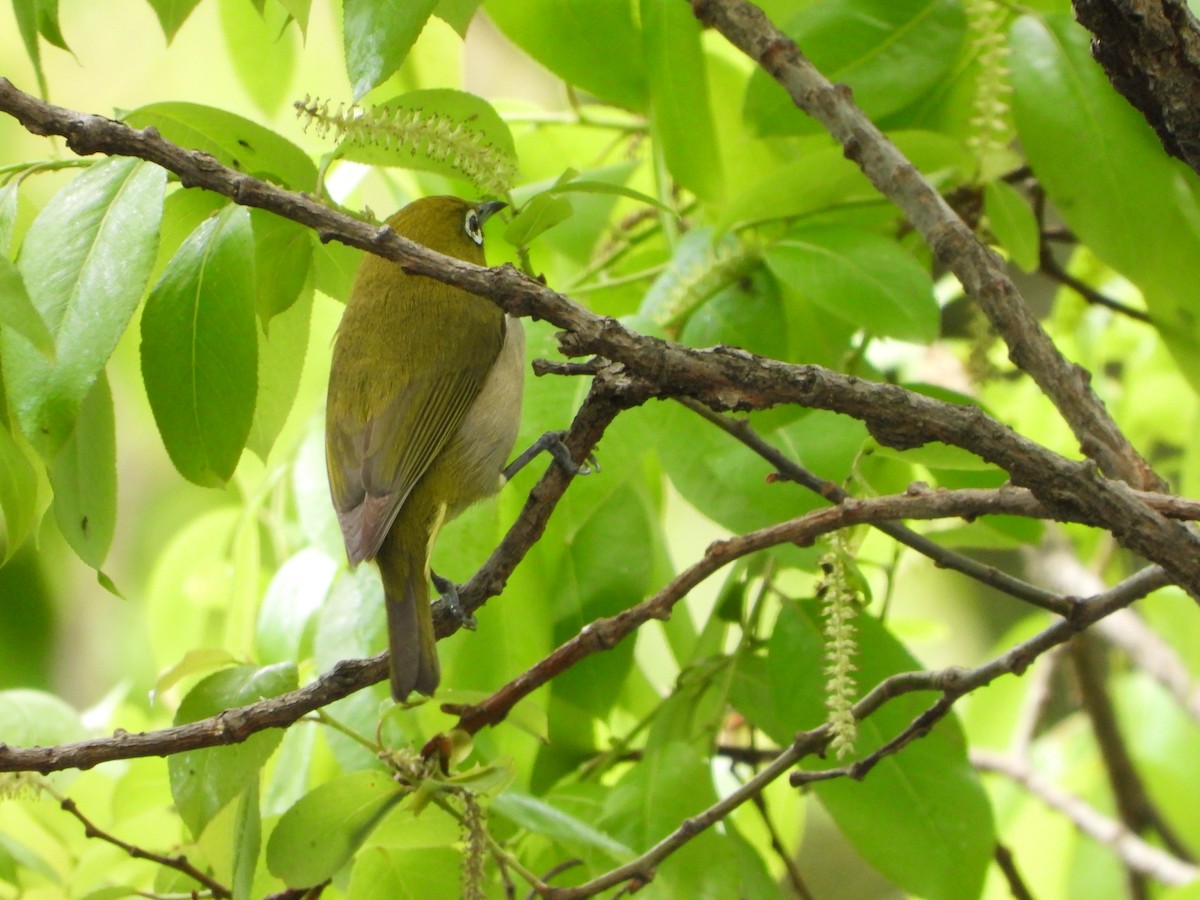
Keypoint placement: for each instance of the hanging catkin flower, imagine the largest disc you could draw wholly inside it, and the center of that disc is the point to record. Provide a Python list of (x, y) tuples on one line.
[(839, 606), (445, 131), (991, 119)]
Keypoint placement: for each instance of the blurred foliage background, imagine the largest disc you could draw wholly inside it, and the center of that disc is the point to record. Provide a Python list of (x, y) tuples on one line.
[(659, 178)]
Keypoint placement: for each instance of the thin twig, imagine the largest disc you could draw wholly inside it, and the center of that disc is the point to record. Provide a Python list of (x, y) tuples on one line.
[(1049, 266), (785, 856), (952, 683), (1132, 850), (179, 862), (1137, 811), (1008, 866), (942, 557), (1151, 654)]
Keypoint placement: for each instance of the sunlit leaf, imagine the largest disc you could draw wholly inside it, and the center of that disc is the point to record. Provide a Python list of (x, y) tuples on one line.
[(1013, 223), (172, 14), (263, 51), (320, 834), (888, 51), (232, 139), (204, 781), (862, 278), (378, 35), (681, 118), (85, 263), (199, 348), (18, 494), (18, 312), (579, 40), (539, 215)]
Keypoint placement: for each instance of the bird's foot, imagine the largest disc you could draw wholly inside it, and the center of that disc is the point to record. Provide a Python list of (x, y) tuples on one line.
[(449, 591), (552, 442)]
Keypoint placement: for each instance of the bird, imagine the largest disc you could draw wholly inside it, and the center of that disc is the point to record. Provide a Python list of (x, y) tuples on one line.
[(422, 410)]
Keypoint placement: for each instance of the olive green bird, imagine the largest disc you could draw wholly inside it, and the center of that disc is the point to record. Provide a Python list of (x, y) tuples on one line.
[(423, 409)]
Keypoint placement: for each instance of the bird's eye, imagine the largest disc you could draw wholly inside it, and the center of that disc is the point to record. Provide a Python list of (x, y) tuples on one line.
[(472, 228)]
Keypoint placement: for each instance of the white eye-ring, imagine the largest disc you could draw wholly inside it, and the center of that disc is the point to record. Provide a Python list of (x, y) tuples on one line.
[(472, 227)]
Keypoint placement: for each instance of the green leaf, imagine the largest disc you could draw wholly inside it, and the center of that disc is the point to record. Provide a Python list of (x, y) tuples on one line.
[(671, 784), (586, 186), (194, 662), (378, 35), (700, 266), (37, 719), (18, 312), (8, 215), (34, 18), (231, 139), (18, 494), (593, 585), (927, 799), (729, 484), (334, 266), (247, 837), (324, 829), (681, 121), (592, 44), (84, 478), (438, 130), (457, 13), (263, 50), (1108, 177), (749, 313), (889, 52), (820, 177), (1013, 223), (298, 10), (85, 263), (384, 873), (297, 590), (541, 817), (172, 14), (282, 257), (539, 215), (199, 348), (204, 781), (862, 278), (310, 485), (280, 364)]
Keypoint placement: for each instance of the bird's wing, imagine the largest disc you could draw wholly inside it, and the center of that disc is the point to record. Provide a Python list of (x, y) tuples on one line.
[(373, 468)]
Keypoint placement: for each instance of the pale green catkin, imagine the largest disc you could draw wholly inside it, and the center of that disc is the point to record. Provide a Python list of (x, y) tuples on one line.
[(464, 149), (839, 606), (991, 120)]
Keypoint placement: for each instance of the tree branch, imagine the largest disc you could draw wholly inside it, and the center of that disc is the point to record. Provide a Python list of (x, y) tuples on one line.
[(608, 395), (603, 634), (1150, 50), (942, 557), (1132, 850), (725, 377), (980, 271)]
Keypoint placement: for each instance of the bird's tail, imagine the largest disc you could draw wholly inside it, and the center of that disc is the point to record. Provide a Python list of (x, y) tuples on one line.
[(411, 642)]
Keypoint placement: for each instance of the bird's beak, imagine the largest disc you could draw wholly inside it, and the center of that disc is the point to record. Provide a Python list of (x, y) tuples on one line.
[(489, 209)]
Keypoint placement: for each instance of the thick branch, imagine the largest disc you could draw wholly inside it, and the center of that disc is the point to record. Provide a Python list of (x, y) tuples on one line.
[(954, 244), (725, 377), (1150, 50)]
